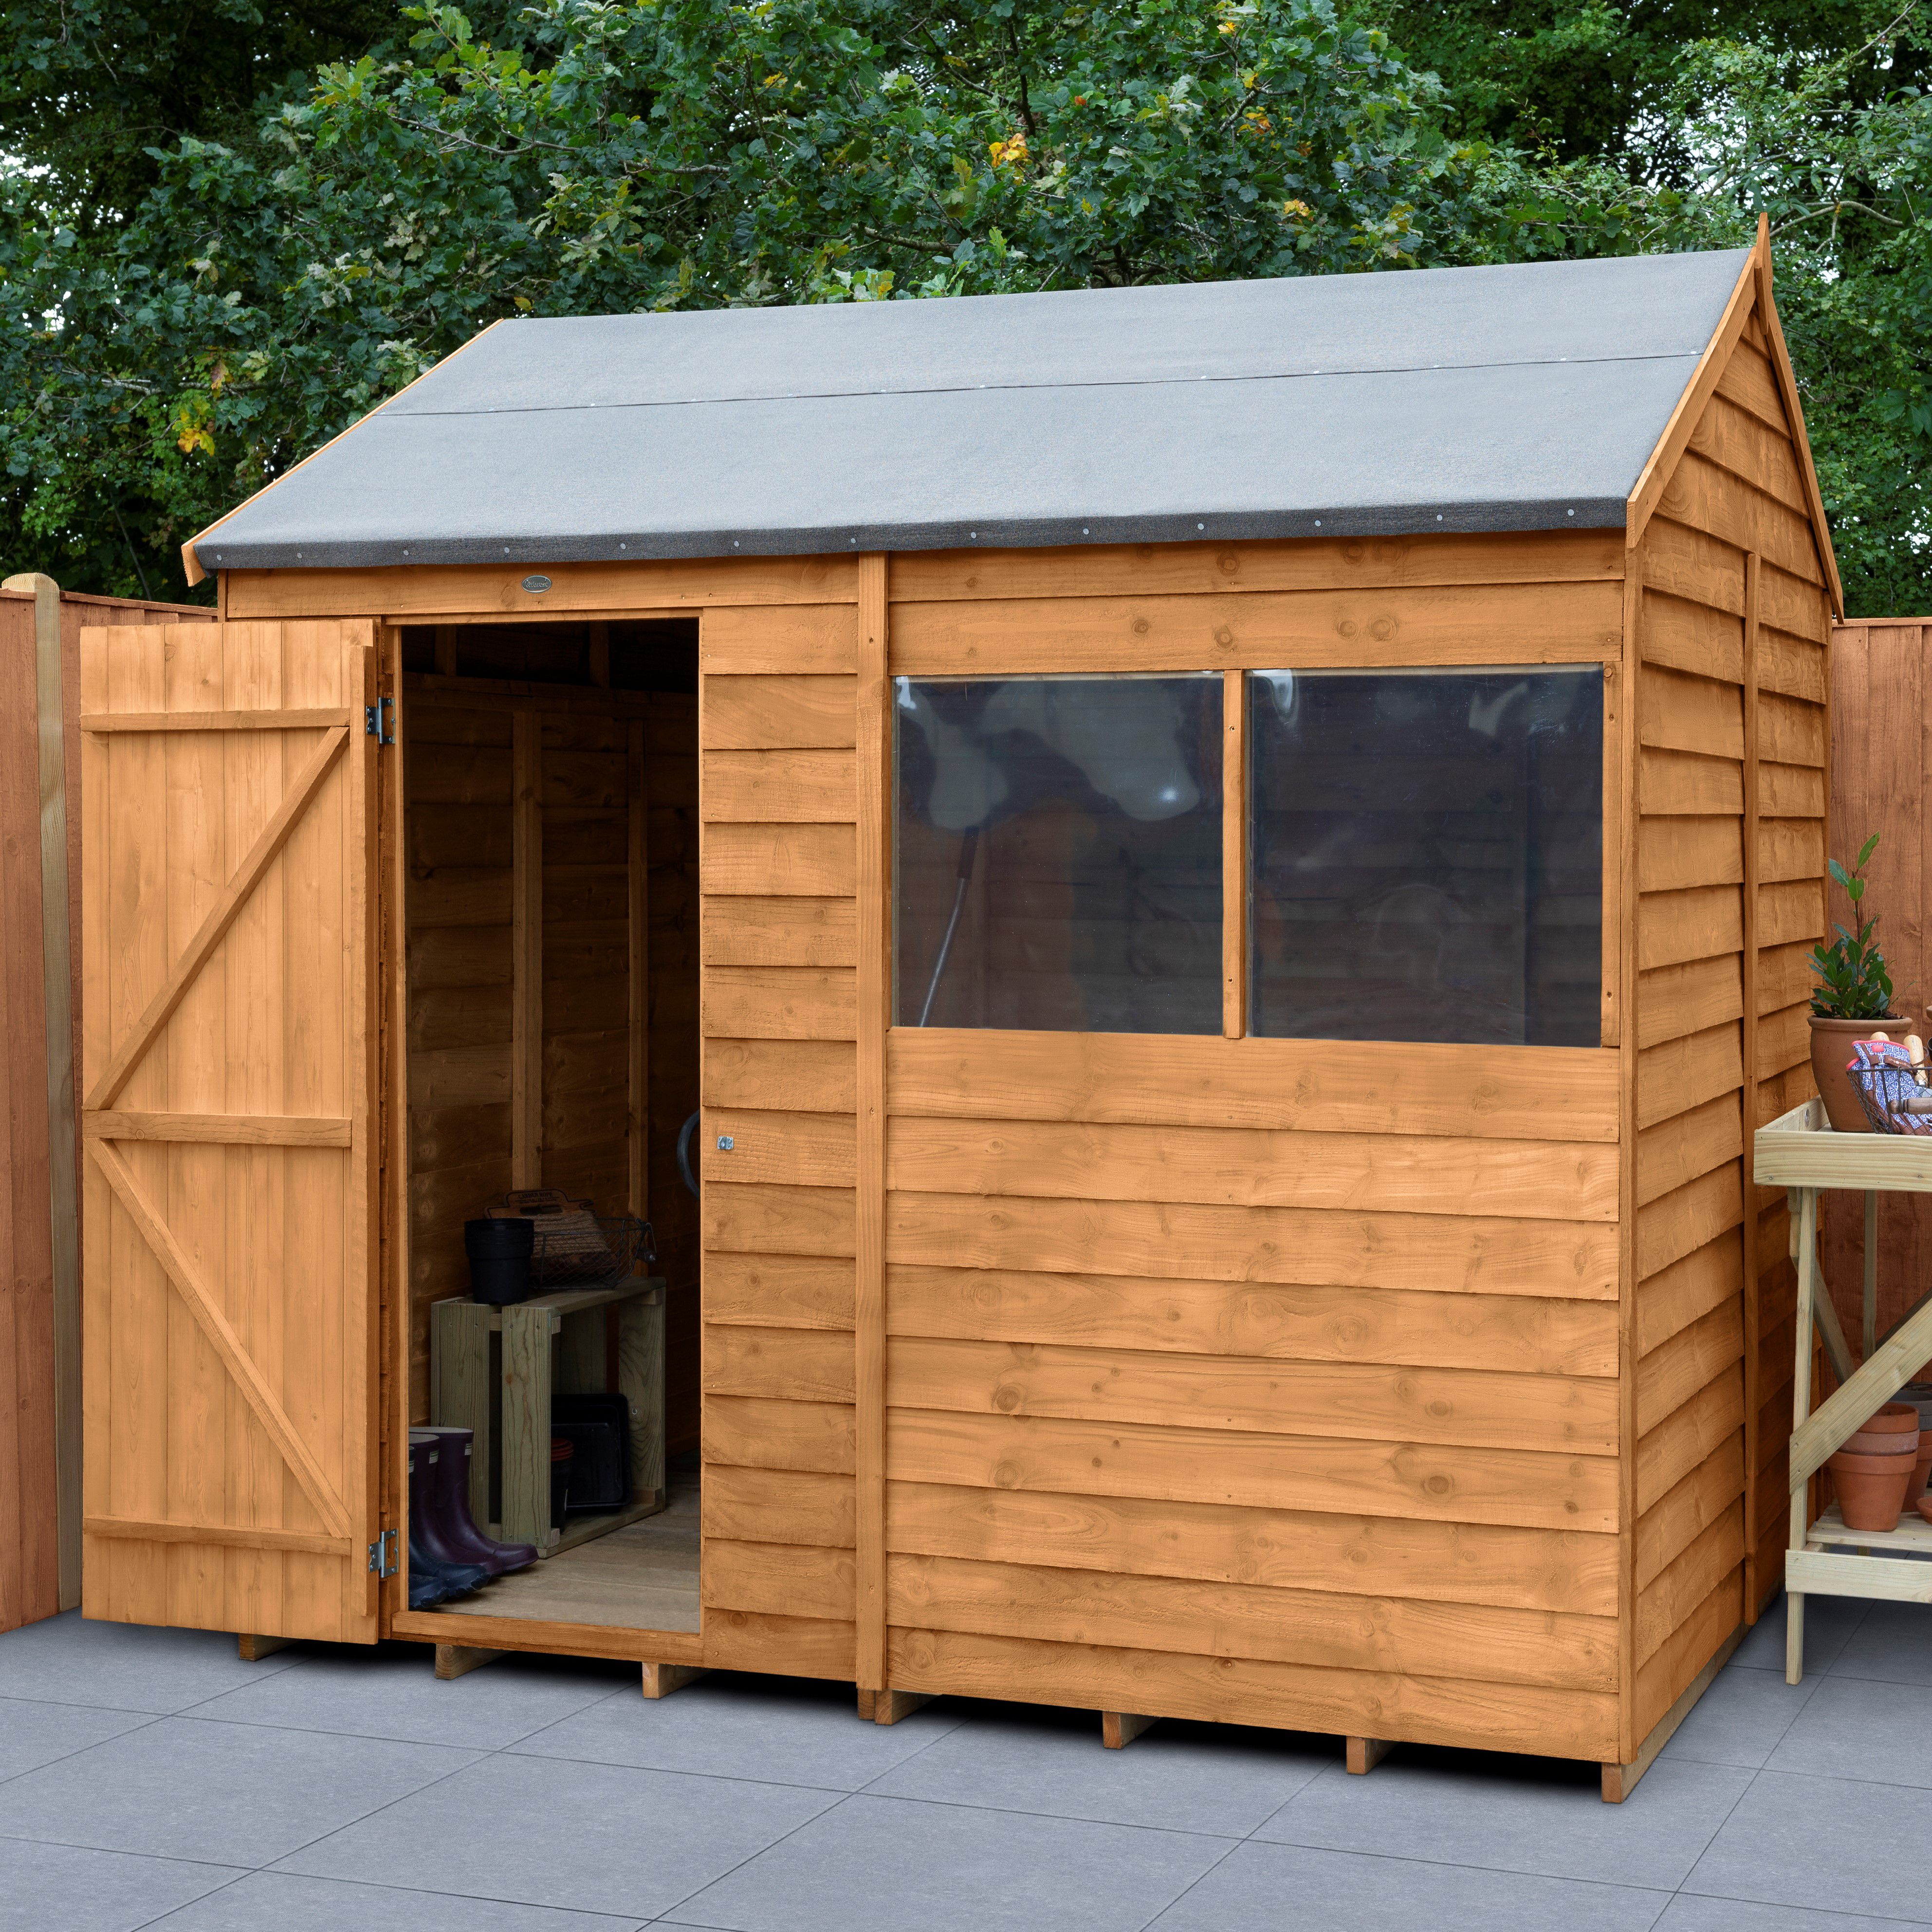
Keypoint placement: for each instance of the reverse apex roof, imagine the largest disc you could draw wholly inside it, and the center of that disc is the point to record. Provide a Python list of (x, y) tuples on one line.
[(1519, 398)]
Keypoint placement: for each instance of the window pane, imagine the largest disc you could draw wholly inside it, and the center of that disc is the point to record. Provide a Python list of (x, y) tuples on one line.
[(1057, 858), (1426, 855)]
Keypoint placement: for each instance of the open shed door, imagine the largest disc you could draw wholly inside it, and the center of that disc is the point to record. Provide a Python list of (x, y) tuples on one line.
[(228, 1075)]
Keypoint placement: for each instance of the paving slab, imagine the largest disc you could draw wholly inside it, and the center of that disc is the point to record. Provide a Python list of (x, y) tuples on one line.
[(399, 1696), (1176, 1777), (33, 1734), (1823, 1843), (230, 1794), (780, 1732), (882, 1865), (1262, 1888), (289, 1904), (1511, 1815), (585, 1837), (72, 1889), (75, 1660)]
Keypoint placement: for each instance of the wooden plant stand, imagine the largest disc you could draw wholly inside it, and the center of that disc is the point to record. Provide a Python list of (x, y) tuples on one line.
[(555, 1341), (1799, 1153)]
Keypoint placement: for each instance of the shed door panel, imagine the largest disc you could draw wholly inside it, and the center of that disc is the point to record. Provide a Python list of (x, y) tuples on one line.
[(228, 1048)]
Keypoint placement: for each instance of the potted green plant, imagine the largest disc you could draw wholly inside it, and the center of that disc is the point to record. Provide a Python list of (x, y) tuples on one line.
[(1853, 997)]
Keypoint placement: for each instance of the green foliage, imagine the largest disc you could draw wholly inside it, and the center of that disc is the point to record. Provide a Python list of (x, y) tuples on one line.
[(88, 87), (188, 311), (634, 154), (1839, 157), (1854, 982)]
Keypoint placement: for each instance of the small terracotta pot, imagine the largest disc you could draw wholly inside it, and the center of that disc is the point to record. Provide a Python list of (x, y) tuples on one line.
[(1894, 1419), (1870, 1489), (1830, 1048), (1922, 1468), (1876, 1442), (1925, 1507)]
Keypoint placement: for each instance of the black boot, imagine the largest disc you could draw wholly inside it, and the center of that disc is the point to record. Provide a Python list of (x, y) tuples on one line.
[(427, 1565), (456, 1530)]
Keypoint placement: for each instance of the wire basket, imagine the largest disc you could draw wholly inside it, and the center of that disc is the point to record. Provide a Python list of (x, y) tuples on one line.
[(573, 1247), (1894, 1101), (570, 1257)]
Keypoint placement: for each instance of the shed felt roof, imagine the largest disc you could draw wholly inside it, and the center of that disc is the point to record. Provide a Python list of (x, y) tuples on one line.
[(1521, 398)]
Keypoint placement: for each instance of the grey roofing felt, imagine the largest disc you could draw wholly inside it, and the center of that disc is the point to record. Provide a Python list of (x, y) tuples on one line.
[(1521, 398)]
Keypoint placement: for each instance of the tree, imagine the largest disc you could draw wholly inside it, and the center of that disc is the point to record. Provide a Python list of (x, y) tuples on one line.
[(592, 156), (662, 153), (88, 87)]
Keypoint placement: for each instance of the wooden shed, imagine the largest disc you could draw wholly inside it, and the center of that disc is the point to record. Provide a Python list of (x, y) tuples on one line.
[(1228, 865)]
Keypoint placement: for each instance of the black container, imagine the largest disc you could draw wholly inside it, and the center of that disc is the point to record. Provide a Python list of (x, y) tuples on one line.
[(499, 1258), (598, 1427), (561, 1458)]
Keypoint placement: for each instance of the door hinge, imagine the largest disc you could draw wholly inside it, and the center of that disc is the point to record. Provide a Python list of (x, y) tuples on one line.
[(379, 720), (383, 1554)]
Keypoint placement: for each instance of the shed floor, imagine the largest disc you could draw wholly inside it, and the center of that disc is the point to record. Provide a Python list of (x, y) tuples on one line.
[(642, 1577), (148, 1778)]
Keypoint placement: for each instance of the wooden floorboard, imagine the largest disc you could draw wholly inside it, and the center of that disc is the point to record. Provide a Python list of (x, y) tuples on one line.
[(642, 1577)]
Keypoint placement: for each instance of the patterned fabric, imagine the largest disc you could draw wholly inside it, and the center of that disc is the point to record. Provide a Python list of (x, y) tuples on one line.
[(1881, 1069)]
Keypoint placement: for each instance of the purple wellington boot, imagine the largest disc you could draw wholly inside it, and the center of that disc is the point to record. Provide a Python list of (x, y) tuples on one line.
[(449, 1488)]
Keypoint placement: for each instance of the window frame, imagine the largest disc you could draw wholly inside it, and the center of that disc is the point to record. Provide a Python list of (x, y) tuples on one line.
[(1342, 653)]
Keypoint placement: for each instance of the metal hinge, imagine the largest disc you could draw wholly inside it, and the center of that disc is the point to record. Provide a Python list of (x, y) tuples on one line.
[(383, 1554), (379, 720)]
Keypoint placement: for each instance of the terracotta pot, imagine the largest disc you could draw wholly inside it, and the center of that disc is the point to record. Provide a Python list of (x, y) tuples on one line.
[(1830, 1048), (1922, 1468), (1925, 1507), (1894, 1419), (1870, 1489), (1878, 1442)]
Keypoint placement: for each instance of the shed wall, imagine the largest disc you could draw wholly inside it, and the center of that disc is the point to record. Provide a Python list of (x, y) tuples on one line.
[(1256, 1379), (778, 730), (1730, 797)]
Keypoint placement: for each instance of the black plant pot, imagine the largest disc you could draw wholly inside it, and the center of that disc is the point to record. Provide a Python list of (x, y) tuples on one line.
[(499, 1258)]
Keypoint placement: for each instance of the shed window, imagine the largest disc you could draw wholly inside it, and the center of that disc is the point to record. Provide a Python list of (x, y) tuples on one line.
[(1057, 854), (1425, 855)]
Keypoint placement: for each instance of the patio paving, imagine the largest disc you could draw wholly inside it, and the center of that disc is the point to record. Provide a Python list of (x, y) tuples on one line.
[(149, 1778)]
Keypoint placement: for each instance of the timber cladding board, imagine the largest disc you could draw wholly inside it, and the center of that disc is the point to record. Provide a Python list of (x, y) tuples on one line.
[(1448, 1253), (1373, 1401), (1578, 623), (1550, 1094), (1250, 1319), (1528, 1718), (1380, 1557), (1529, 1489), (1481, 1643)]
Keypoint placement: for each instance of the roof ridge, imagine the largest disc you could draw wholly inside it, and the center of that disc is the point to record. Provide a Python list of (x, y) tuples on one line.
[(1094, 382)]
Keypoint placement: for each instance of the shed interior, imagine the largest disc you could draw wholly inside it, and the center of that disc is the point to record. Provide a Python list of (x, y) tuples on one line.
[(549, 852)]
